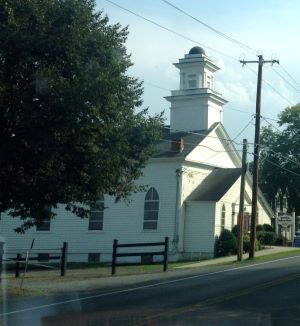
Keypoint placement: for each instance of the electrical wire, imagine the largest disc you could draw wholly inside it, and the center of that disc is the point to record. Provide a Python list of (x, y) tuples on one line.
[(289, 75), (156, 86), (170, 30), (270, 124), (200, 145), (274, 90), (234, 41), (229, 38), (200, 134), (277, 165), (191, 40), (233, 139), (283, 78)]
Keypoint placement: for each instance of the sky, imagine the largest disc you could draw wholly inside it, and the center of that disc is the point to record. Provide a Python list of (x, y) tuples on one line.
[(269, 27)]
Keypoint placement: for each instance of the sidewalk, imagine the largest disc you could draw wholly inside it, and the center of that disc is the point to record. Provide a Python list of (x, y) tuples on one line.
[(215, 261)]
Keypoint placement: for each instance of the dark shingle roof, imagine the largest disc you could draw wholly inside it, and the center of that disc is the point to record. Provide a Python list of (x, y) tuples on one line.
[(215, 185), (190, 141)]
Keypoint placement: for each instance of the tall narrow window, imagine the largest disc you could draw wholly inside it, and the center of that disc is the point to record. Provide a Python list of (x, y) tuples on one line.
[(192, 83), (151, 208), (223, 213), (96, 217), (208, 82)]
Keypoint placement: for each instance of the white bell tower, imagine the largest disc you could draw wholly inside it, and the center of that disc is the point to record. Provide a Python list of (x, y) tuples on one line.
[(196, 105)]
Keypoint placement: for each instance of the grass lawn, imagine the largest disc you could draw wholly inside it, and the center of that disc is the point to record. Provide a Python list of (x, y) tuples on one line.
[(83, 276)]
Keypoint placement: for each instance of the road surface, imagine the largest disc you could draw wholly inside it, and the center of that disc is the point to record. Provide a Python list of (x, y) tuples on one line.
[(267, 293)]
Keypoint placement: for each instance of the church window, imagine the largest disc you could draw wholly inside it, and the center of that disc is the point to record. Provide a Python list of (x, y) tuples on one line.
[(223, 213), (208, 82), (44, 224), (96, 215), (151, 208), (192, 81)]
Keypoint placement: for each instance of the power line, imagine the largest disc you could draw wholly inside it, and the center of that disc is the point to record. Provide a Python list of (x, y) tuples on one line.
[(169, 30), (270, 124), (274, 90), (234, 41), (276, 120), (226, 108), (266, 148), (247, 125), (229, 38), (279, 166), (283, 78), (202, 134), (288, 74), (200, 145), (233, 139), (156, 86), (191, 40)]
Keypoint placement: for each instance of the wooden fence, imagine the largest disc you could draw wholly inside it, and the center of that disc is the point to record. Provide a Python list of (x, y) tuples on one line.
[(116, 245), (62, 258)]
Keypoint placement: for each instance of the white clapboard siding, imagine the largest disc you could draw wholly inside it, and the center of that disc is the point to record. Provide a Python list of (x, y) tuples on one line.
[(231, 197), (199, 228), (212, 151), (122, 221)]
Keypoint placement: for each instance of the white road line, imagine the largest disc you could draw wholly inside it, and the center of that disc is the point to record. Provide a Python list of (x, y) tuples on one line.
[(100, 295)]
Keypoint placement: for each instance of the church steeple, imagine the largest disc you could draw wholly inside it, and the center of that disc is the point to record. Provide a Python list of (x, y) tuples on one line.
[(196, 105)]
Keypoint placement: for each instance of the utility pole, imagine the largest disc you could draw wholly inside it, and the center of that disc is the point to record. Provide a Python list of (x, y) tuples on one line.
[(242, 197), (260, 62)]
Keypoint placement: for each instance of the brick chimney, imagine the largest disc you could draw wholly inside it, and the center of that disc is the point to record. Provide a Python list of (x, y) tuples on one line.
[(177, 145)]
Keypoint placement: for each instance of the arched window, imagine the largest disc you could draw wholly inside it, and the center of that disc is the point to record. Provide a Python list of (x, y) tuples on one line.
[(96, 217), (151, 208), (223, 213)]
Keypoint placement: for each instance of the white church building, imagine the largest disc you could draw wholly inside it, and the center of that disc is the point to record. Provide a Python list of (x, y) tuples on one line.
[(193, 186)]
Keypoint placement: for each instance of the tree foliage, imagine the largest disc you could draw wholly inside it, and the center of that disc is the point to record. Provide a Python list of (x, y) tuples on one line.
[(69, 126), (281, 157)]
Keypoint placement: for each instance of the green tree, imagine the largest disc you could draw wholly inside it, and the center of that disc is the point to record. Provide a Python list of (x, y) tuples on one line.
[(280, 152), (69, 125)]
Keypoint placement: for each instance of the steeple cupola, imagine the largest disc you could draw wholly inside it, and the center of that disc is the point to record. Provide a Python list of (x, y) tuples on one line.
[(196, 105)]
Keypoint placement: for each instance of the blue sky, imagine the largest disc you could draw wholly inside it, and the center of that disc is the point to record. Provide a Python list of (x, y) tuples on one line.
[(270, 27)]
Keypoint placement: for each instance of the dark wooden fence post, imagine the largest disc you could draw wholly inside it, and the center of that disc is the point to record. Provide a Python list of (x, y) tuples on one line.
[(113, 261), (166, 253), (64, 256), (19, 256), (1, 254)]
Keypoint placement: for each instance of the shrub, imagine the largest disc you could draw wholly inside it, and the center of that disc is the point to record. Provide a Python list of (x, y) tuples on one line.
[(268, 228), (270, 238), (235, 231), (260, 236), (259, 228), (226, 244), (246, 243), (280, 241), (266, 238)]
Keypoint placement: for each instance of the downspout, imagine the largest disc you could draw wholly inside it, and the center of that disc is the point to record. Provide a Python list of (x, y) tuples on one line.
[(177, 205)]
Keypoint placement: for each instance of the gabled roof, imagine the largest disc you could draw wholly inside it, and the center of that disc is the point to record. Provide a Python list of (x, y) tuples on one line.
[(218, 182), (215, 185), (190, 141)]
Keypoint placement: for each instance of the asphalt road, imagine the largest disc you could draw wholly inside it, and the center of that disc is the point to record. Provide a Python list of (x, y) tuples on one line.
[(265, 294)]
